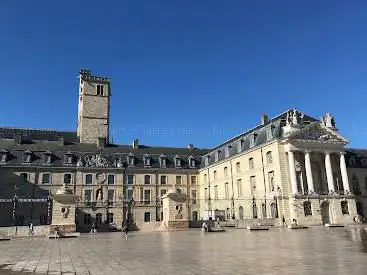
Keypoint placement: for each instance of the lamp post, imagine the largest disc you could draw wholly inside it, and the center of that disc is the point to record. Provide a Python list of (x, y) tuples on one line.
[(15, 204), (49, 200)]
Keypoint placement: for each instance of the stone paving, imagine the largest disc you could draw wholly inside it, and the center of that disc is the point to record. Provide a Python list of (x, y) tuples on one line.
[(278, 251)]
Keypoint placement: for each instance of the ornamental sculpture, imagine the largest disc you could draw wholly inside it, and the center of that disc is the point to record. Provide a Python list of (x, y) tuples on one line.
[(94, 161), (328, 120), (294, 117)]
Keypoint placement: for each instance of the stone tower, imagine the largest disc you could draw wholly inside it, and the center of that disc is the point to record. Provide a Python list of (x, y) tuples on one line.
[(93, 108)]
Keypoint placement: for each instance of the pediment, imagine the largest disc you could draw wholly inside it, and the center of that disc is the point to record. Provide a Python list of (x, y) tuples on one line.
[(318, 133)]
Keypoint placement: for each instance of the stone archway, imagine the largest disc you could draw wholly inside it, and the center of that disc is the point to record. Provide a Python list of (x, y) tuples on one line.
[(325, 212)]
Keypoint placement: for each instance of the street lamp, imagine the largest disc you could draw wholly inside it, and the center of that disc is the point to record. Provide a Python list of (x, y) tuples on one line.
[(49, 200)]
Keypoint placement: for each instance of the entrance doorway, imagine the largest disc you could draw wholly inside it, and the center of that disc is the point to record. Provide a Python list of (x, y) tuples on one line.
[(325, 212)]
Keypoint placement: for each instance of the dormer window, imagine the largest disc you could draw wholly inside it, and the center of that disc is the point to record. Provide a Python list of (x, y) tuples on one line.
[(177, 162), (217, 154), (192, 162), (68, 158), (241, 144), (227, 150), (147, 160), (269, 133), (131, 160), (253, 140), (163, 161), (207, 159), (4, 156), (27, 155), (47, 157), (99, 89)]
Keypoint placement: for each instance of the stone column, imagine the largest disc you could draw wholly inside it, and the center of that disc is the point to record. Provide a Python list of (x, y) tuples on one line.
[(311, 188), (329, 173), (343, 170), (292, 171)]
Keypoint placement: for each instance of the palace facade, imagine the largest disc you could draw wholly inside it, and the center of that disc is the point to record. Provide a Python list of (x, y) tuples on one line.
[(292, 166)]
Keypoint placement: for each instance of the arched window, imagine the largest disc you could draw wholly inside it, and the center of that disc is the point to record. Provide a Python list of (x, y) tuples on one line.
[(269, 157), (251, 163), (263, 210), (344, 205), (307, 208), (355, 185), (194, 216), (225, 172), (240, 212), (254, 211), (274, 210), (228, 214)]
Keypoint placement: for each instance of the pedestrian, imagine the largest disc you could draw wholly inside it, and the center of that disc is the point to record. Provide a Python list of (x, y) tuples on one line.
[(56, 231), (93, 229), (30, 229), (125, 230), (218, 225), (284, 223)]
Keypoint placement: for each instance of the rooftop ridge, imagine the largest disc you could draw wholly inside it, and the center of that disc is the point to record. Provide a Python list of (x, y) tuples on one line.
[(35, 129)]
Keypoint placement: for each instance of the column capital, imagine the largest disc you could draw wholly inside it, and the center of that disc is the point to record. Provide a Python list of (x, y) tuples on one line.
[(342, 153), (307, 151)]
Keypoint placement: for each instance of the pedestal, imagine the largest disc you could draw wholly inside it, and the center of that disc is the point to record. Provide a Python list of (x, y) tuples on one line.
[(175, 210)]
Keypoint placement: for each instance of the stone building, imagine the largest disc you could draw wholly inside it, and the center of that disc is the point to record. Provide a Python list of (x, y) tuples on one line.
[(292, 165), (35, 163)]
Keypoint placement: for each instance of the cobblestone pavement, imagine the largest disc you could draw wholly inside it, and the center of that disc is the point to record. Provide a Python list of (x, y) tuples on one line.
[(312, 251)]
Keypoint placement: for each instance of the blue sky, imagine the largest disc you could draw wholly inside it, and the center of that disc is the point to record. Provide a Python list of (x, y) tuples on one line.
[(183, 72)]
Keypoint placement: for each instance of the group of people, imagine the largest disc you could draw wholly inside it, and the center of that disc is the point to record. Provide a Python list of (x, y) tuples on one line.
[(125, 229)]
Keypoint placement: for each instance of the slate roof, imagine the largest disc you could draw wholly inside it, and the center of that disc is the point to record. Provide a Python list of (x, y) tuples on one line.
[(356, 158), (39, 142), (275, 124)]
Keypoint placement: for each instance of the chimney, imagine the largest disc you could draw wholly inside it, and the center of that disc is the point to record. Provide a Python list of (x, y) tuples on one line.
[(61, 140), (136, 144), (18, 139), (190, 146), (101, 142), (264, 119)]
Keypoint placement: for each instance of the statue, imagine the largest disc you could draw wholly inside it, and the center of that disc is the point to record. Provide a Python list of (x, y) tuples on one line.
[(295, 117), (99, 195), (328, 120), (80, 162)]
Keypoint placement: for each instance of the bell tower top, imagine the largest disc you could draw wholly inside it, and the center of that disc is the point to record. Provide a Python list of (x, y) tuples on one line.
[(93, 107)]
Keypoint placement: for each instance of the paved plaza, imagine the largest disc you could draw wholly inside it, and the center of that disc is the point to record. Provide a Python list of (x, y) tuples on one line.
[(278, 251)]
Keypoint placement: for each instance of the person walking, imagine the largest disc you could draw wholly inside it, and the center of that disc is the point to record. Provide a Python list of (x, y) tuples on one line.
[(30, 229), (125, 230)]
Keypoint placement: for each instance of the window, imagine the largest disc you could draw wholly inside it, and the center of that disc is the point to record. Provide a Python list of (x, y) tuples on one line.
[(47, 157), (67, 178), (269, 133), (238, 168), (225, 172), (147, 217), (226, 151), (178, 180), (228, 212), (240, 145), (46, 178), (205, 179), (147, 161), (216, 192), (239, 187), (177, 162), (193, 196), (207, 159), (99, 89), (192, 162), (130, 179), (240, 212), (271, 181), (162, 161), (355, 185), (87, 196), (163, 192), (87, 219), (111, 196), (195, 216), (110, 217), (269, 158), (131, 161), (88, 179), (146, 179), (217, 154), (253, 140), (27, 156), (215, 175), (99, 218), (344, 206), (307, 208), (206, 194), (3, 156), (163, 180), (111, 179), (226, 191), (146, 196), (251, 164), (254, 211), (68, 158), (274, 210), (23, 177), (253, 185), (193, 180)]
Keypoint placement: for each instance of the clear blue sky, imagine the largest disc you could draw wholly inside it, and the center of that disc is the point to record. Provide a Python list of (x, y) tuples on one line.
[(185, 71)]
